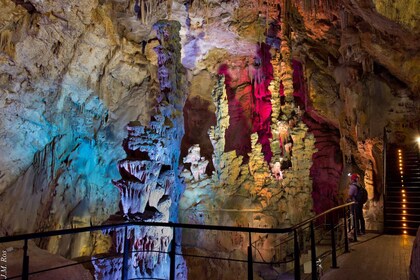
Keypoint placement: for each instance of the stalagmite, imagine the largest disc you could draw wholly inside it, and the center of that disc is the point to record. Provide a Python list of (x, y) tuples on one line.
[(286, 74)]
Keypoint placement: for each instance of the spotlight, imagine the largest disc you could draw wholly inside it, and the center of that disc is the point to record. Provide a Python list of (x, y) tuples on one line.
[(418, 140), (405, 232)]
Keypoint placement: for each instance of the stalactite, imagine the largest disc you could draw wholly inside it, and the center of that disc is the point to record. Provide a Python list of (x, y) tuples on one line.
[(142, 11), (344, 19), (148, 10), (327, 5), (307, 4), (287, 8), (367, 64), (266, 20), (314, 7), (169, 8), (207, 12), (6, 43)]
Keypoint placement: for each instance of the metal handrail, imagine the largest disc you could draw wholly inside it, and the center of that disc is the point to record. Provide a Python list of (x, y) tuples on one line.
[(293, 229), (44, 234), (140, 223)]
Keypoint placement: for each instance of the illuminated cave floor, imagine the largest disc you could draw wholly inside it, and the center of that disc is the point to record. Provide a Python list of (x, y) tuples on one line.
[(373, 257)]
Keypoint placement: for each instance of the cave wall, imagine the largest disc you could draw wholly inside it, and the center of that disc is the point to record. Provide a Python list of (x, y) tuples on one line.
[(71, 79)]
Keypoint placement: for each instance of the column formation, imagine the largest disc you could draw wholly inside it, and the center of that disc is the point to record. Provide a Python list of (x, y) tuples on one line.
[(150, 186)]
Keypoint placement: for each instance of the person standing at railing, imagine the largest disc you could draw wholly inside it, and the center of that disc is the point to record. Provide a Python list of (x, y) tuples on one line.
[(357, 209)]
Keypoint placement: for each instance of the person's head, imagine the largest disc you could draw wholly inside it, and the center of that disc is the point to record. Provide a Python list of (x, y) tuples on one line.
[(354, 177)]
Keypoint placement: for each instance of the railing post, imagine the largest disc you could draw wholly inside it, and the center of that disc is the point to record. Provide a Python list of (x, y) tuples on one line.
[(250, 263), (25, 264), (346, 237), (353, 207), (172, 255), (124, 272), (333, 244), (297, 255), (384, 155), (384, 176), (313, 251)]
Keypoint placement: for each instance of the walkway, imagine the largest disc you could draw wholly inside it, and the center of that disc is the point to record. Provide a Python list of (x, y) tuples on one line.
[(374, 257)]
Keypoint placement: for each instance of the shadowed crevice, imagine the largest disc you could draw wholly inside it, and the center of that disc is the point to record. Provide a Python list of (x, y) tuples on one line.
[(26, 5)]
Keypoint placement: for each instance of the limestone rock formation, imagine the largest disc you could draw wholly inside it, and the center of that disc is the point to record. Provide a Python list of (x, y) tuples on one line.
[(315, 87), (150, 183), (198, 163)]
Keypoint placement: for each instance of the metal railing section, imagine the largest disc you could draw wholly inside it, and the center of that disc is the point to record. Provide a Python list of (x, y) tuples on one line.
[(334, 215)]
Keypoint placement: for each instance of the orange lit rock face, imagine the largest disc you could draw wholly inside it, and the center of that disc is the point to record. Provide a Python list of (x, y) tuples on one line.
[(404, 12), (327, 164)]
